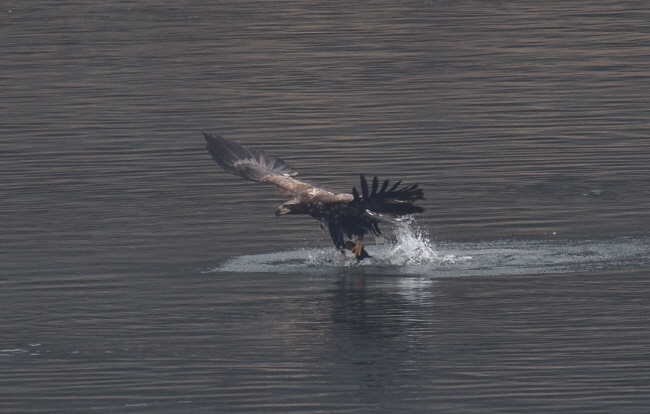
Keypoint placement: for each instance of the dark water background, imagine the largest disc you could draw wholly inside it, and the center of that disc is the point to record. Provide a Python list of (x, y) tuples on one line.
[(136, 276)]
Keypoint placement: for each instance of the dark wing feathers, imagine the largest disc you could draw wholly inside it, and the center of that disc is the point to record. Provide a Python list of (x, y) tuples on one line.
[(355, 194), (384, 186), (364, 188), (395, 186), (375, 185), (393, 202)]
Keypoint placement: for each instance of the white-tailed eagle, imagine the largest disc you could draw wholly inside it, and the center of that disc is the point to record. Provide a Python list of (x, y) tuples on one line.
[(354, 214)]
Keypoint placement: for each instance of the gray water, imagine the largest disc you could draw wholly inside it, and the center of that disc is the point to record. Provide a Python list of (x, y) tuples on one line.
[(137, 276)]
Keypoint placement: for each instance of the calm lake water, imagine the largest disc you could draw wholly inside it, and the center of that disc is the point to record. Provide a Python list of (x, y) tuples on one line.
[(137, 276)]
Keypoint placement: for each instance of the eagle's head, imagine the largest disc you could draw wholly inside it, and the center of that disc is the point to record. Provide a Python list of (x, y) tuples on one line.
[(293, 206)]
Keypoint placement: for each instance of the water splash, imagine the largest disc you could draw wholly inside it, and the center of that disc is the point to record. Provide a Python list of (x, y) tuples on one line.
[(407, 246), (411, 247), (409, 251)]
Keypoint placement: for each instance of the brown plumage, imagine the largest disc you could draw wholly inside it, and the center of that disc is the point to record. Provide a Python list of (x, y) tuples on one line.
[(342, 214)]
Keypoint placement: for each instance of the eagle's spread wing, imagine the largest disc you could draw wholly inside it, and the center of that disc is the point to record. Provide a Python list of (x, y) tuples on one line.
[(254, 164), (388, 202)]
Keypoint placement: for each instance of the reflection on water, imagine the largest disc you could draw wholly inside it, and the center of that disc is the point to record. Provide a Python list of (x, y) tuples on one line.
[(135, 275)]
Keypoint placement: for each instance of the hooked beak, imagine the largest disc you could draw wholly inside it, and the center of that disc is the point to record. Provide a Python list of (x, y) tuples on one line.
[(282, 210)]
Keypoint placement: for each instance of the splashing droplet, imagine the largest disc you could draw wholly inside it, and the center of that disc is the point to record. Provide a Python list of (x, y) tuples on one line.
[(410, 247)]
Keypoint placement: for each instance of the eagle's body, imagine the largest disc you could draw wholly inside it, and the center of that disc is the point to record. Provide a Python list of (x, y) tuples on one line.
[(342, 214)]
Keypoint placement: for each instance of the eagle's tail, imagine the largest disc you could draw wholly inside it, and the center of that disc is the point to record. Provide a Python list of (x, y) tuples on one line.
[(393, 202), (250, 163)]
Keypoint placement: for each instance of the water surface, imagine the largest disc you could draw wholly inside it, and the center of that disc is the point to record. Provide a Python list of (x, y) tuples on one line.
[(137, 276)]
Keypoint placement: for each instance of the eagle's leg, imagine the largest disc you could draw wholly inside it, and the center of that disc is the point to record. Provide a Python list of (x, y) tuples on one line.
[(357, 249)]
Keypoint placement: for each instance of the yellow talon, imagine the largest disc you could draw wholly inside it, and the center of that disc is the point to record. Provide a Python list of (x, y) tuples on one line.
[(357, 249)]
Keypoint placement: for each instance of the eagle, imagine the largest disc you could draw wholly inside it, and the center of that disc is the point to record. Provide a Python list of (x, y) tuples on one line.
[(342, 214)]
